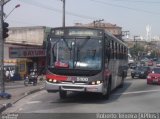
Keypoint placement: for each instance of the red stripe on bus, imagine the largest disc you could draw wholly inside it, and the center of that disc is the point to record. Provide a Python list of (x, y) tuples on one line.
[(57, 77)]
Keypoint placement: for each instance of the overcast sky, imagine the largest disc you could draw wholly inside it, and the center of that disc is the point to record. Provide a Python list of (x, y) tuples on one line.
[(132, 15)]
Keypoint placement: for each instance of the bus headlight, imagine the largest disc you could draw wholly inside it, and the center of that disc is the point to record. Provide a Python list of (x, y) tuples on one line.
[(96, 82), (54, 81), (50, 80), (93, 83)]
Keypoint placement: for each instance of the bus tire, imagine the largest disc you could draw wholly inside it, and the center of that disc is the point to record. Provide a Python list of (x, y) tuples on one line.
[(62, 94), (106, 93)]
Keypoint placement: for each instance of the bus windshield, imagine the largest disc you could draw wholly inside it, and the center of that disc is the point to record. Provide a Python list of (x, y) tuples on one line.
[(75, 53)]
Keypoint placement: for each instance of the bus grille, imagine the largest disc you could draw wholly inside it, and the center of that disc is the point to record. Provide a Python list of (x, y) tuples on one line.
[(71, 87)]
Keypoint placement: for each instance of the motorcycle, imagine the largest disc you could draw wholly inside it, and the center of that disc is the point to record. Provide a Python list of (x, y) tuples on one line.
[(31, 79)]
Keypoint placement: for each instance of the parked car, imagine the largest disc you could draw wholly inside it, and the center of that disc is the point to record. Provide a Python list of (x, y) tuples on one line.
[(142, 63), (145, 60), (130, 61), (133, 66), (154, 76), (154, 59), (140, 72), (158, 63), (150, 63)]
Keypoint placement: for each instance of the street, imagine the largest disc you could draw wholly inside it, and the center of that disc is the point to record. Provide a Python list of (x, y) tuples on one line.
[(77, 48), (135, 96)]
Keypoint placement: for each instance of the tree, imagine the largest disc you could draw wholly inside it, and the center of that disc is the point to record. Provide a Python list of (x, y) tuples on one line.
[(137, 51)]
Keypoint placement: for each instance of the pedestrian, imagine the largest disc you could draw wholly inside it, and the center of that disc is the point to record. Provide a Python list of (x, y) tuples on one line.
[(12, 72), (7, 73)]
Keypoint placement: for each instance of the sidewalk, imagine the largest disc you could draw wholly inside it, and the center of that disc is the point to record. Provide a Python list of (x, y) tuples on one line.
[(18, 91)]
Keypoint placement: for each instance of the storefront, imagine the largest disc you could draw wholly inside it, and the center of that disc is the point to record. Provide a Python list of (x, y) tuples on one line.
[(27, 58), (19, 66)]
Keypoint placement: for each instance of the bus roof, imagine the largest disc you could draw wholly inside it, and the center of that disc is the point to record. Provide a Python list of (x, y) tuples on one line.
[(83, 31), (77, 31)]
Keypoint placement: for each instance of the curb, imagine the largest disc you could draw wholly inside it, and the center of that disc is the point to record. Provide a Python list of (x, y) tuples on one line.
[(3, 107), (28, 93)]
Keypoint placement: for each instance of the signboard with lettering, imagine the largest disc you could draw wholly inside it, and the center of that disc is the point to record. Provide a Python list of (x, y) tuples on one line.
[(84, 32), (76, 32), (26, 52)]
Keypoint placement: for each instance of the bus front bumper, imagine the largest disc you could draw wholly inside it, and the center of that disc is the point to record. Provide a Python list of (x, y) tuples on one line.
[(55, 87)]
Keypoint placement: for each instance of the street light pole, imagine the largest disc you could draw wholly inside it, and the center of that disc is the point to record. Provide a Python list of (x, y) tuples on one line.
[(18, 5), (3, 94), (1, 48)]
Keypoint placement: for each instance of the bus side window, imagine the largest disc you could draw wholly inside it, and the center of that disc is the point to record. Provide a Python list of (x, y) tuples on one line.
[(107, 49), (123, 54), (112, 49), (115, 50), (125, 57), (119, 52), (108, 52)]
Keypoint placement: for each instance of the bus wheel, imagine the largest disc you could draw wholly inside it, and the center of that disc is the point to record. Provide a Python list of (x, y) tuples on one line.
[(62, 94), (107, 90)]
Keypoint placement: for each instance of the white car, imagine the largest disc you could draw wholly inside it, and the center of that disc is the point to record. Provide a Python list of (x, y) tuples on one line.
[(130, 61)]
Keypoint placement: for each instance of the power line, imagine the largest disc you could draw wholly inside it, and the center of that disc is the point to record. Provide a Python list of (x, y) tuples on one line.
[(16, 21), (121, 6), (138, 1), (59, 11)]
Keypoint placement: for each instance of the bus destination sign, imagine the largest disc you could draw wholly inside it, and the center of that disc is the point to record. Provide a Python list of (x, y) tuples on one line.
[(77, 32), (84, 32)]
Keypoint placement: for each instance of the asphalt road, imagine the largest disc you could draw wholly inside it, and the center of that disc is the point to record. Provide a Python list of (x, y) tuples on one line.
[(135, 96)]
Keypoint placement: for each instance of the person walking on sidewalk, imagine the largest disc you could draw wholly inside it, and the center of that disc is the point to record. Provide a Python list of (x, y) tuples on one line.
[(12, 73), (7, 73)]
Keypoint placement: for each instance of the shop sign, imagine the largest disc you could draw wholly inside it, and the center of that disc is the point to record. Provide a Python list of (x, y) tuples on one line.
[(26, 52)]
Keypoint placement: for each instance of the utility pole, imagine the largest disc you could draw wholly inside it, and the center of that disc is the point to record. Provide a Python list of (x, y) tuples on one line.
[(1, 48), (63, 18), (18, 5), (135, 45), (2, 94), (125, 33), (97, 21), (135, 41)]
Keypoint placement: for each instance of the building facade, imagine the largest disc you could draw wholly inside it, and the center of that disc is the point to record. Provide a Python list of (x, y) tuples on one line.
[(112, 28), (23, 49)]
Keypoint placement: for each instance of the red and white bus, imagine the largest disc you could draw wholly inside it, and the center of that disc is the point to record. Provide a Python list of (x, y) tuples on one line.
[(84, 60)]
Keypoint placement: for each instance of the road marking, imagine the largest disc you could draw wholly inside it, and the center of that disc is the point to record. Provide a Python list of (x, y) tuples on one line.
[(137, 92), (33, 102)]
